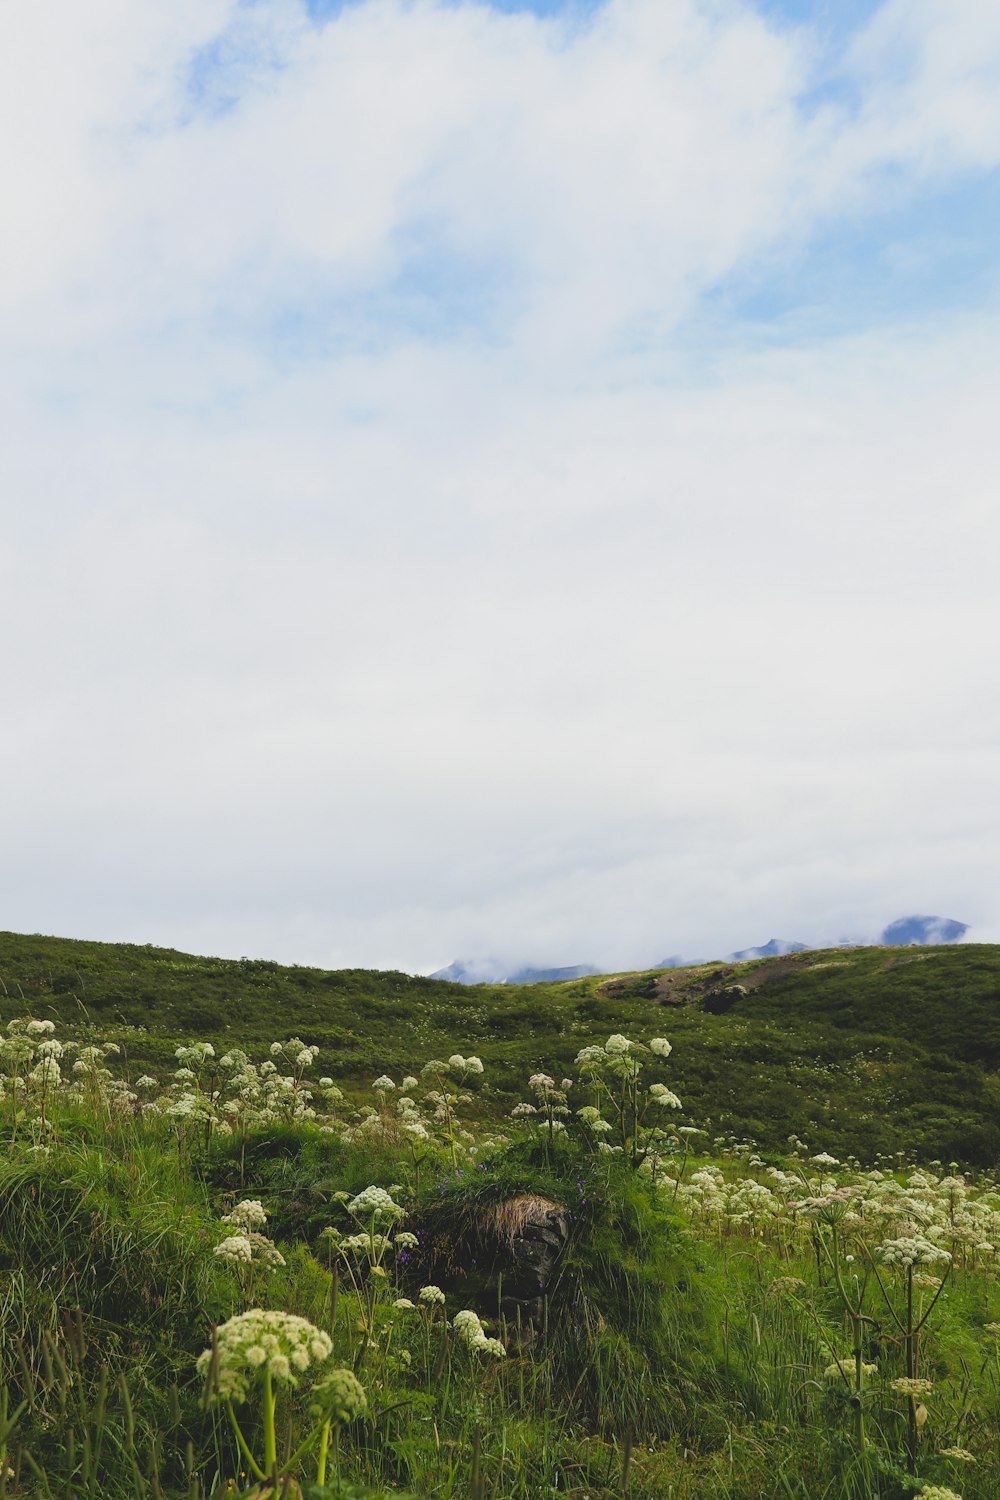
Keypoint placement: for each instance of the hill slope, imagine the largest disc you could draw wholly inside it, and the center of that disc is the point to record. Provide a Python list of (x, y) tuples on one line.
[(864, 1050)]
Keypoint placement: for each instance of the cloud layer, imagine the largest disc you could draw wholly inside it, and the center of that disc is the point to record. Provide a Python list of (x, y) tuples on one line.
[(418, 540)]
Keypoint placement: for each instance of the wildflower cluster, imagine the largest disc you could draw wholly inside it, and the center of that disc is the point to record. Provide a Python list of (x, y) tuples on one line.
[(622, 1115), (37, 1071), (423, 1124), (468, 1327), (903, 1220), (257, 1344), (374, 1203), (841, 1367), (910, 1250), (338, 1395), (247, 1246)]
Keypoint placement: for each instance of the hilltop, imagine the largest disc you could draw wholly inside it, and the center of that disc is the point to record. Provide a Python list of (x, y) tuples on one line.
[(864, 1050)]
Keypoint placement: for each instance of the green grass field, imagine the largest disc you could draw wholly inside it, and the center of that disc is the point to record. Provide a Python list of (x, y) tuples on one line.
[(781, 1267)]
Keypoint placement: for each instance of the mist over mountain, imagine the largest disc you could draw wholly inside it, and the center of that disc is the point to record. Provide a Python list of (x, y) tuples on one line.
[(489, 971), (471, 971), (773, 948), (924, 930), (903, 931)]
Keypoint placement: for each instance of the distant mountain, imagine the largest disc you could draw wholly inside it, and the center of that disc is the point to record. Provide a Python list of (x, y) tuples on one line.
[(924, 930), (472, 971), (489, 971), (905, 930), (774, 948)]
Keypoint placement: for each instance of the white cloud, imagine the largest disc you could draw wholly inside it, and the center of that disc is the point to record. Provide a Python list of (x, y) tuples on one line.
[(74, 83), (930, 71), (529, 635)]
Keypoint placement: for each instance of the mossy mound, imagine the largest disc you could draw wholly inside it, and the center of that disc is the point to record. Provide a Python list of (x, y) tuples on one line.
[(628, 1316)]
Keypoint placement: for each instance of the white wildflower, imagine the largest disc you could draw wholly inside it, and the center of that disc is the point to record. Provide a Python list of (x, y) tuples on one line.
[(911, 1251), (907, 1385), (467, 1324), (847, 1367), (236, 1249), (248, 1214), (375, 1202), (372, 1245), (47, 1074), (483, 1345), (340, 1396), (235, 1362)]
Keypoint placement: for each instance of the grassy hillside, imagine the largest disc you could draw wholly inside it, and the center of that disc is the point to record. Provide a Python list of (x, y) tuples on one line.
[(596, 1302), (864, 1050)]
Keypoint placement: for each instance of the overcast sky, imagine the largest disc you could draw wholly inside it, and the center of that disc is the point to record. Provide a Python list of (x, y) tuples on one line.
[(499, 478)]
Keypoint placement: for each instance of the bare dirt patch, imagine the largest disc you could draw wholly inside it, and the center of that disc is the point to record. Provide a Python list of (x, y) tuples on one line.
[(703, 984)]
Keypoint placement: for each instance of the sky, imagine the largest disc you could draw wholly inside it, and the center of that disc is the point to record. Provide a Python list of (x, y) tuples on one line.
[(504, 479)]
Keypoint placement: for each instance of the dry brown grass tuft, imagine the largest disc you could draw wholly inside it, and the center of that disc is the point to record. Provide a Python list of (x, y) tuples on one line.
[(507, 1220)]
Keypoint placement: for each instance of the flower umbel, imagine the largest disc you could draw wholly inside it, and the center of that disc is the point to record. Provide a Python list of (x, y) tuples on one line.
[(338, 1395), (254, 1342)]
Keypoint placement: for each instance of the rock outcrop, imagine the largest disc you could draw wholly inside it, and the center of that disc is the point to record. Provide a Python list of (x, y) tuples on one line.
[(530, 1234)]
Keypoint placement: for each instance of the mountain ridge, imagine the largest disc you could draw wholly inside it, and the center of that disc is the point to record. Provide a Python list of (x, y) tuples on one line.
[(904, 931)]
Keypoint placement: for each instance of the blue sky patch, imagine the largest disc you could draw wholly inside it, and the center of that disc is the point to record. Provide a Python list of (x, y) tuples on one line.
[(929, 255)]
